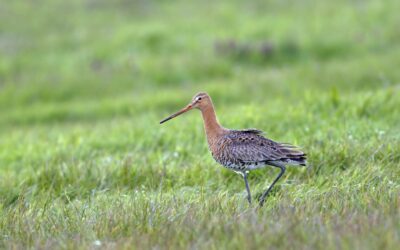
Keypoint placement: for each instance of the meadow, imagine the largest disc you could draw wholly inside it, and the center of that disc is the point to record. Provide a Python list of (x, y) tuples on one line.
[(85, 164)]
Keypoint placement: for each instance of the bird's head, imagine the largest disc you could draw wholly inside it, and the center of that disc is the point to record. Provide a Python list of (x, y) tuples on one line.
[(199, 101)]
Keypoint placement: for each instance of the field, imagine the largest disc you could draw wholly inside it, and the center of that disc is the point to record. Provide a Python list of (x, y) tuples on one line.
[(85, 164)]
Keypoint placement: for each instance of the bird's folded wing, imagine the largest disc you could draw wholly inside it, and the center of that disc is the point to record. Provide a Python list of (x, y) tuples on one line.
[(251, 148)]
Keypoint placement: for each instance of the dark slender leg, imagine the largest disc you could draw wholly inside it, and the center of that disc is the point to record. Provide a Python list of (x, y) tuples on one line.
[(247, 187), (282, 167)]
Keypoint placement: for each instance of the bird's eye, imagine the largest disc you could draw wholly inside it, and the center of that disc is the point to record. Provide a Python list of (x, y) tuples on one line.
[(198, 98)]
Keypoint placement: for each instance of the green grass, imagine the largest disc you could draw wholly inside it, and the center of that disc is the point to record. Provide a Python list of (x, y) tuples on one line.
[(85, 164)]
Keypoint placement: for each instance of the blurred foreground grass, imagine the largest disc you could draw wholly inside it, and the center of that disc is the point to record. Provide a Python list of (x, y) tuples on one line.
[(84, 162)]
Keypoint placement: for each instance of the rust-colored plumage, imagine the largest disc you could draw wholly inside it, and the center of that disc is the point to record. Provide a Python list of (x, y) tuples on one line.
[(242, 150)]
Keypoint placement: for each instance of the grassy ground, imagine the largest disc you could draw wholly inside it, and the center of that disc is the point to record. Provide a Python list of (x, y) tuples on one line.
[(85, 164)]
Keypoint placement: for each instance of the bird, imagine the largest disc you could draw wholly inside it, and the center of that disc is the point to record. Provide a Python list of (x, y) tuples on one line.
[(242, 150)]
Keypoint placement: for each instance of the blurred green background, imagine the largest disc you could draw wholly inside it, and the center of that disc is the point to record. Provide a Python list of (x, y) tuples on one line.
[(84, 162)]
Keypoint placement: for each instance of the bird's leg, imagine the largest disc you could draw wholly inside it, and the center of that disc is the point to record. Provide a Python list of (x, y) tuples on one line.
[(264, 195), (247, 186)]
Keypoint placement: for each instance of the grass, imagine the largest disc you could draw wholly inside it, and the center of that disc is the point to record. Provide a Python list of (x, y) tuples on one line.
[(85, 164)]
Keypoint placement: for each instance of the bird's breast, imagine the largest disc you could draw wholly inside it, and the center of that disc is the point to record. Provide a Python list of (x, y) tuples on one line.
[(218, 150)]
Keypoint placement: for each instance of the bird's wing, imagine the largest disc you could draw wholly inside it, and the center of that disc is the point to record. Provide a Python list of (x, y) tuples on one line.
[(245, 147)]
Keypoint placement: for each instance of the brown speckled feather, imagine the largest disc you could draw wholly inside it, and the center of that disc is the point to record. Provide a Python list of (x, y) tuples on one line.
[(241, 149)]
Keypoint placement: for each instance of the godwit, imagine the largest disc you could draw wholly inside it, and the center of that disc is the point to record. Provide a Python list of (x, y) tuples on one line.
[(242, 150)]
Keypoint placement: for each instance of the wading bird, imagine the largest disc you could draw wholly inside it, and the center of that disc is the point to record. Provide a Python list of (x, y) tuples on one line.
[(242, 150)]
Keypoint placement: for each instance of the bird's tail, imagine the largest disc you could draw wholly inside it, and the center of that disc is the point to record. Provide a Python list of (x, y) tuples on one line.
[(293, 155)]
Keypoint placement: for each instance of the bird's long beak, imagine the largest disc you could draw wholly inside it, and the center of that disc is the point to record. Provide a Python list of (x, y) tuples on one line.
[(185, 109)]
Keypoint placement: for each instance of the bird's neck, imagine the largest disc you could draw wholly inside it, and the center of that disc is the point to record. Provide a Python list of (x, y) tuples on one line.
[(211, 124)]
